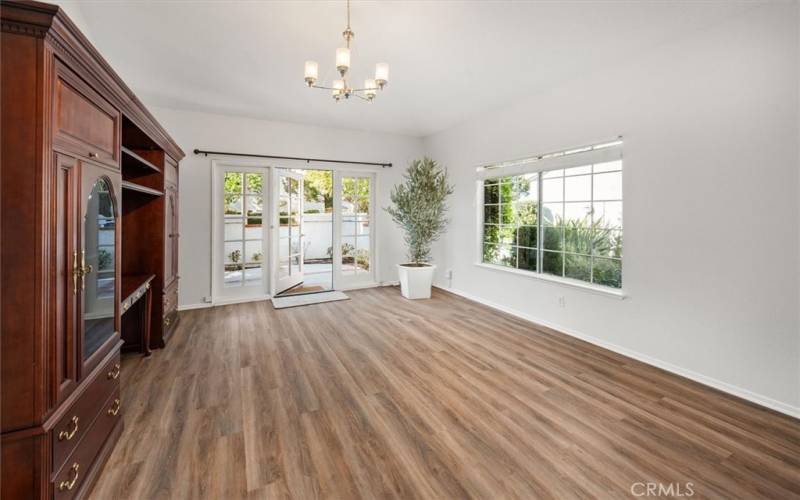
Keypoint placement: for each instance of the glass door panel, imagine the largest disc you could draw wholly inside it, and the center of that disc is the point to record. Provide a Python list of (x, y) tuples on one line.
[(96, 269), (288, 232), (355, 242), (243, 231)]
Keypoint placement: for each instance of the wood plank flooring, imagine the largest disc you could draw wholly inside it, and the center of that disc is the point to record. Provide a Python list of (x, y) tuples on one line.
[(381, 397)]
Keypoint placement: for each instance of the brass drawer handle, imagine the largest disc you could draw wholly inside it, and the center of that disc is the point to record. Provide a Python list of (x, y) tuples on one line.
[(167, 321), (126, 306), (114, 410), (92, 154), (114, 373), (69, 434), (68, 485)]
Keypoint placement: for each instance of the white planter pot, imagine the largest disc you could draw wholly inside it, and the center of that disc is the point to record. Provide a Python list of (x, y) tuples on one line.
[(415, 282)]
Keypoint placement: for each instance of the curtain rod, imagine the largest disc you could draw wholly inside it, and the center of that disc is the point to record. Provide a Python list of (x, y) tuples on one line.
[(307, 160)]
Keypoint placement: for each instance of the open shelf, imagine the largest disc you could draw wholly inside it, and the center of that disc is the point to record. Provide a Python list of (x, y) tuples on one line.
[(137, 161), (132, 186)]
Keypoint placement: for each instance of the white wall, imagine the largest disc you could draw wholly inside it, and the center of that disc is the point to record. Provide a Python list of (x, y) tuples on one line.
[(711, 216), (225, 133)]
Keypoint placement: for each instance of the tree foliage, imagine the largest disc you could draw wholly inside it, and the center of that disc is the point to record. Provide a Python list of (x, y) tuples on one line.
[(419, 206)]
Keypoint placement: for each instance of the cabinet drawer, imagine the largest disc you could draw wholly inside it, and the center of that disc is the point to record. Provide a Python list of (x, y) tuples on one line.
[(84, 123), (67, 482), (75, 423)]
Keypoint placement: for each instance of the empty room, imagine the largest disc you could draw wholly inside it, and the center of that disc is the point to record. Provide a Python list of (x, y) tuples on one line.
[(399, 249)]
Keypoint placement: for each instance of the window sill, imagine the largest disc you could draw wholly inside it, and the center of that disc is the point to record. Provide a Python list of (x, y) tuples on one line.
[(600, 290)]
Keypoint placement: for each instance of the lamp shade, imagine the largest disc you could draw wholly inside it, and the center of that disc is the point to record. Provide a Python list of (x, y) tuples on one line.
[(342, 58), (381, 73), (312, 70), (370, 87)]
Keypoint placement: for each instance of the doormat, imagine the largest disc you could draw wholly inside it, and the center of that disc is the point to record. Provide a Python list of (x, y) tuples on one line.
[(307, 300)]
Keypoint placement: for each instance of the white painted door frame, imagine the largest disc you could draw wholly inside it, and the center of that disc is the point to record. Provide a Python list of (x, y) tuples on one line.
[(282, 283)]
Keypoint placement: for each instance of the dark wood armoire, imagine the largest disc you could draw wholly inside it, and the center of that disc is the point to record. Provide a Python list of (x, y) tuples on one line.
[(88, 207)]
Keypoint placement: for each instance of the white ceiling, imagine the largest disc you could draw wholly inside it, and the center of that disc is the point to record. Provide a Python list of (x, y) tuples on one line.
[(448, 60)]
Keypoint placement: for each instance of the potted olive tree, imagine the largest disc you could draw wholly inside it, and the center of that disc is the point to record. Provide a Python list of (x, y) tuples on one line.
[(419, 207)]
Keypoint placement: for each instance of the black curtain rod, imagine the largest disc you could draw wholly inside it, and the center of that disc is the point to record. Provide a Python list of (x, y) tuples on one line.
[(307, 160)]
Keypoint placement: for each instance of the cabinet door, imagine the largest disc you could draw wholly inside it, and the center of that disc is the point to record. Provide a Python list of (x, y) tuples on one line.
[(99, 264), (67, 291), (171, 230)]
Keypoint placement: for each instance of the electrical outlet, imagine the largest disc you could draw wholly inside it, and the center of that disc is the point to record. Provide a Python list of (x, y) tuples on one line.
[(207, 300), (562, 302)]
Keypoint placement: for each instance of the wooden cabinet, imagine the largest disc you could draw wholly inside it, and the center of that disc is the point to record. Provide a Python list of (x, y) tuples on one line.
[(67, 120)]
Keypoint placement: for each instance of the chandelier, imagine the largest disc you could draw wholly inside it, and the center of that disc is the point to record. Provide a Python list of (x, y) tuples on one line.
[(341, 88)]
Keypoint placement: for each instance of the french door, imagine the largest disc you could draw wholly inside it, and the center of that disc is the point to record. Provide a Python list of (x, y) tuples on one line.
[(287, 229), (354, 222), (239, 237)]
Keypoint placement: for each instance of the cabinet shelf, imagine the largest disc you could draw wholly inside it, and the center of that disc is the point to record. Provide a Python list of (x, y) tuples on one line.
[(138, 161), (132, 186)]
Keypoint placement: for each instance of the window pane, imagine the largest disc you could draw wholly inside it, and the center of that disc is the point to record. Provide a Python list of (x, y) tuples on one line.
[(608, 186), (552, 214), (553, 238), (255, 206), (608, 166), (607, 243), (233, 275), (233, 204), (491, 193), (491, 253), (255, 183), (552, 263), (233, 182), (252, 251), (362, 226), (578, 188), (578, 240), (254, 229), (233, 252), (348, 253), (506, 190), (586, 169), (491, 214), (552, 173), (362, 206), (553, 189), (607, 272), (491, 233), (283, 268), (526, 212), (507, 235), (493, 180), (608, 214), (508, 255), (577, 267), (252, 274), (525, 188), (578, 213), (527, 259), (348, 226), (233, 231), (507, 214), (362, 253), (527, 236)]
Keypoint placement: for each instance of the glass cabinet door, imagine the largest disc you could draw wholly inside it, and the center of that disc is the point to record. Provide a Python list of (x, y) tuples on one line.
[(97, 267)]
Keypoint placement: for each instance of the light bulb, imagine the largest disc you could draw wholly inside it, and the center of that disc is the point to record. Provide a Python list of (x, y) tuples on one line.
[(342, 60), (312, 71), (338, 88), (381, 74)]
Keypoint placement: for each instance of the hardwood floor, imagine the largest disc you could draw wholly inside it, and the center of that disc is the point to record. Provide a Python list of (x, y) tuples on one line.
[(381, 397)]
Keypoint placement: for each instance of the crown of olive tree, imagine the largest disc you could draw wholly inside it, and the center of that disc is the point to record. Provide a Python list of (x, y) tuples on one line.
[(419, 208)]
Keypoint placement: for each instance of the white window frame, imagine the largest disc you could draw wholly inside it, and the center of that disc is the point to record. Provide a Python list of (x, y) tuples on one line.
[(575, 157)]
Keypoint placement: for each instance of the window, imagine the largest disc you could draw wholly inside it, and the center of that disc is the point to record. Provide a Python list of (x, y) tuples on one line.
[(564, 222)]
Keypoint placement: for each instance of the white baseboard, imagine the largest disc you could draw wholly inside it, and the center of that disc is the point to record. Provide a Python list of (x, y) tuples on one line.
[(745, 394), (189, 307)]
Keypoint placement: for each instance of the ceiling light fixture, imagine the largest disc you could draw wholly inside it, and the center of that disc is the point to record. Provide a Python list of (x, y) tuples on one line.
[(340, 88)]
